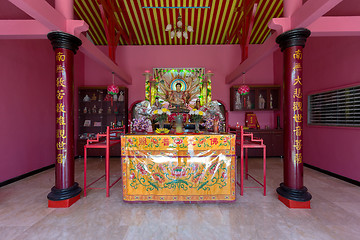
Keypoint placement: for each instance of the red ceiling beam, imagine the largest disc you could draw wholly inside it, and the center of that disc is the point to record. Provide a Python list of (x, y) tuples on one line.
[(244, 26), (247, 26), (111, 25)]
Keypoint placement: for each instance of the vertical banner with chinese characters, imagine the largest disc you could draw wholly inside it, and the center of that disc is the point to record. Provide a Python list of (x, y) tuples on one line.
[(292, 43), (294, 117), (64, 117), (65, 47)]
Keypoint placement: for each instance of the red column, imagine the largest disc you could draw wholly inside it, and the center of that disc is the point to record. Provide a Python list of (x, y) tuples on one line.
[(292, 192), (66, 191)]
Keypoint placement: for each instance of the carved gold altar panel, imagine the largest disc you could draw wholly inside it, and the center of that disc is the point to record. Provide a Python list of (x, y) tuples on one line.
[(178, 167)]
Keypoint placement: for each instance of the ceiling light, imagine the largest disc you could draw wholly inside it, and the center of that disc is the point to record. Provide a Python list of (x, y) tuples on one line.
[(179, 29)]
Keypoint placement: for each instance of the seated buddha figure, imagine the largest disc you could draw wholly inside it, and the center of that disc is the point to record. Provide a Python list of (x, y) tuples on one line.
[(178, 99)]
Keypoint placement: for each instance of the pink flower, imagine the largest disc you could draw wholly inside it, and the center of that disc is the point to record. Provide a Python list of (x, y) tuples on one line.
[(212, 168), (178, 172), (178, 141), (132, 176), (158, 177)]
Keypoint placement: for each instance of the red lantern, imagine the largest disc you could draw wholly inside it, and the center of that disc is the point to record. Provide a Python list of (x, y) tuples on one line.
[(244, 90), (113, 89)]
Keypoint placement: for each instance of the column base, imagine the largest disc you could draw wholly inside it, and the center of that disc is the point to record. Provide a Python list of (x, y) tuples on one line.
[(63, 203), (294, 204), (61, 198), (294, 198)]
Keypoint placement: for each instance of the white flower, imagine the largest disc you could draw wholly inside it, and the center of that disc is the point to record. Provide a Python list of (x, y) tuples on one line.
[(197, 112)]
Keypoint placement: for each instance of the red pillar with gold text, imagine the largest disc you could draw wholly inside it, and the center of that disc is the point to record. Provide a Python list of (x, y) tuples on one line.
[(292, 192), (66, 191)]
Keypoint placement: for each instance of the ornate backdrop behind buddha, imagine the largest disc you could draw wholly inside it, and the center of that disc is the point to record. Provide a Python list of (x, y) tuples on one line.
[(179, 88)]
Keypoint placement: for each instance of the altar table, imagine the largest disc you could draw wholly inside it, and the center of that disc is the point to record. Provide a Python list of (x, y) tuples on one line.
[(187, 167)]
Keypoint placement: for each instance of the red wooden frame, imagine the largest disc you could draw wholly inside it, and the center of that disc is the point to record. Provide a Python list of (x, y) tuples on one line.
[(246, 141), (103, 140)]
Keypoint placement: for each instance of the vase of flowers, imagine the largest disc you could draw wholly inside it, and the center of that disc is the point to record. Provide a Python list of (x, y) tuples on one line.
[(196, 116), (161, 116)]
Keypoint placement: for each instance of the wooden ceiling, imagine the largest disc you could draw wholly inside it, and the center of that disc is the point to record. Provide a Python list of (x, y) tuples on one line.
[(146, 26)]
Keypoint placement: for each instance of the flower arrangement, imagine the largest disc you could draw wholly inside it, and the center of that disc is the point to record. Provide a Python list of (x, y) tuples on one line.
[(140, 124), (196, 115), (209, 122), (161, 115)]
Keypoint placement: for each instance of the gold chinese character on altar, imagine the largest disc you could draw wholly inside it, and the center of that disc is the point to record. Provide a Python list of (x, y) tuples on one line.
[(59, 68), (60, 94), (298, 144), (60, 108), (60, 158), (298, 118), (297, 106), (60, 82), (60, 57), (297, 54), (298, 131), (298, 157), (297, 80), (60, 145), (60, 120), (60, 133), (297, 93), (297, 66)]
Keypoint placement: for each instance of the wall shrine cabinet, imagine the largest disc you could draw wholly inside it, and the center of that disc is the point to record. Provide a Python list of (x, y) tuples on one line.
[(260, 98)]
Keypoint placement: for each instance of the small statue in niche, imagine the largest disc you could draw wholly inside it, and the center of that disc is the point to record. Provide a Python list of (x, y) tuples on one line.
[(94, 110), (238, 100), (271, 101), (100, 96), (85, 110), (261, 102), (86, 98), (93, 97), (248, 102), (121, 96), (101, 110), (109, 110), (115, 97)]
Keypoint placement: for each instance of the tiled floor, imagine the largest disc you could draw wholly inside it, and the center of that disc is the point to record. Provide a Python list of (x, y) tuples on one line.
[(335, 212)]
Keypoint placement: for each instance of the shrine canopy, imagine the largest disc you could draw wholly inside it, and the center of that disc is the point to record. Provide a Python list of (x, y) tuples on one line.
[(192, 80)]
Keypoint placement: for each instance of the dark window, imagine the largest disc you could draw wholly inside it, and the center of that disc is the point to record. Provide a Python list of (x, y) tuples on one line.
[(335, 108)]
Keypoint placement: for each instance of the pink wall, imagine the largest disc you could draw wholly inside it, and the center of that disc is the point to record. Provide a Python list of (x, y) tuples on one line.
[(27, 106), (27, 102), (221, 60), (332, 63)]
